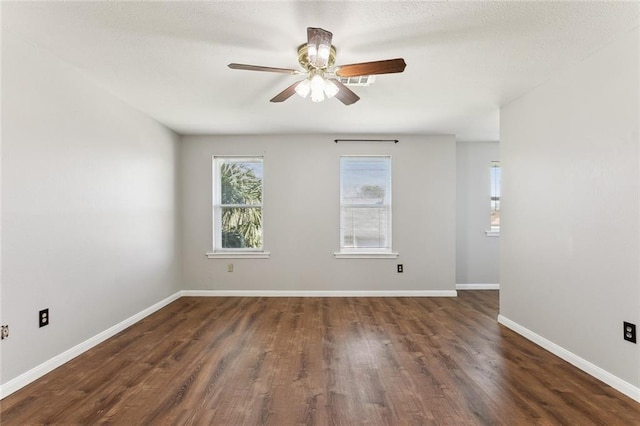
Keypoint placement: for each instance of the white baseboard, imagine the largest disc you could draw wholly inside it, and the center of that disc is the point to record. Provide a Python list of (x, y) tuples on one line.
[(614, 381), (478, 286), (295, 293), (35, 373)]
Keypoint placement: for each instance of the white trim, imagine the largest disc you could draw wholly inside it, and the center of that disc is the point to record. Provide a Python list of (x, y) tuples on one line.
[(492, 233), (372, 255), (615, 382), (35, 373), (320, 293), (487, 286), (239, 255)]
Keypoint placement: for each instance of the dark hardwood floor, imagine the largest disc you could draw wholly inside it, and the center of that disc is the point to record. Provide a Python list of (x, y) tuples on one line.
[(323, 361)]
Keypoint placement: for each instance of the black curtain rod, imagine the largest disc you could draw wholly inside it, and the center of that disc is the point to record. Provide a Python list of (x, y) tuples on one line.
[(366, 140)]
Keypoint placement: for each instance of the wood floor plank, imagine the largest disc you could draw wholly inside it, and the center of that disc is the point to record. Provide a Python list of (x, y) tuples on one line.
[(320, 361)]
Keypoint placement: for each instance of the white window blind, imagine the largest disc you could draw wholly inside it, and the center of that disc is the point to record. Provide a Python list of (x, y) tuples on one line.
[(365, 204)]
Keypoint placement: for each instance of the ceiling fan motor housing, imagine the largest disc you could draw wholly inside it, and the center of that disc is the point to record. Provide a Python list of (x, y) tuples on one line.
[(303, 58)]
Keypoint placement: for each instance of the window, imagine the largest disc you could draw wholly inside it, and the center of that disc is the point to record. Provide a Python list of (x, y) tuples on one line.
[(365, 205), (237, 204), (495, 197)]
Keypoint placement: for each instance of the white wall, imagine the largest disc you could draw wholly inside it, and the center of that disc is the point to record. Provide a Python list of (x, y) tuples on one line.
[(477, 255), (89, 217), (301, 215), (570, 208)]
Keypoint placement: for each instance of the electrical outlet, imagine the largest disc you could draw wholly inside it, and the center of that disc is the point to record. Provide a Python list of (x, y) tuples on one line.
[(43, 317), (630, 332), (400, 268), (4, 333), (230, 267)]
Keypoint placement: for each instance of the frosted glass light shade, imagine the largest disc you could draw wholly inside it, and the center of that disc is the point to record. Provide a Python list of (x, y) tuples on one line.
[(317, 88), (330, 89), (303, 88), (317, 95)]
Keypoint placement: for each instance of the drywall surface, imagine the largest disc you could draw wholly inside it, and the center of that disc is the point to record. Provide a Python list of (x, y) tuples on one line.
[(477, 255), (570, 209), (89, 208), (301, 215)]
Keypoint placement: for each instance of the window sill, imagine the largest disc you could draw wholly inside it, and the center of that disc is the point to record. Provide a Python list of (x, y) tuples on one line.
[(366, 255), (239, 255), (492, 233)]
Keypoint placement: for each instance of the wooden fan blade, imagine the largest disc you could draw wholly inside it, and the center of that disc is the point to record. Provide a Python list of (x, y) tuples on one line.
[(345, 95), (388, 66), (318, 34), (260, 68), (319, 46), (286, 93)]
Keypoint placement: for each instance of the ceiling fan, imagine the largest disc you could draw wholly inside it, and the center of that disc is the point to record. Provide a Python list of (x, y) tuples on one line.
[(317, 58)]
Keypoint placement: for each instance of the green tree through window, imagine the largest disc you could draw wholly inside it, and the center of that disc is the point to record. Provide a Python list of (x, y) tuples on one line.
[(239, 207)]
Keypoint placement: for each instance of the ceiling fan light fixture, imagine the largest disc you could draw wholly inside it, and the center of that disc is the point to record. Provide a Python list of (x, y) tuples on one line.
[(330, 89), (318, 85), (303, 88), (317, 58), (312, 53), (323, 54), (317, 96)]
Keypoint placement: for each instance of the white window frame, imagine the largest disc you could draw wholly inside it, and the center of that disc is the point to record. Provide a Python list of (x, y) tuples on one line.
[(368, 252), (216, 210)]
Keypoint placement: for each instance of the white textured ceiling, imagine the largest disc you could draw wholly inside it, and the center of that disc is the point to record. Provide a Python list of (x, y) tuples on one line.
[(464, 59)]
